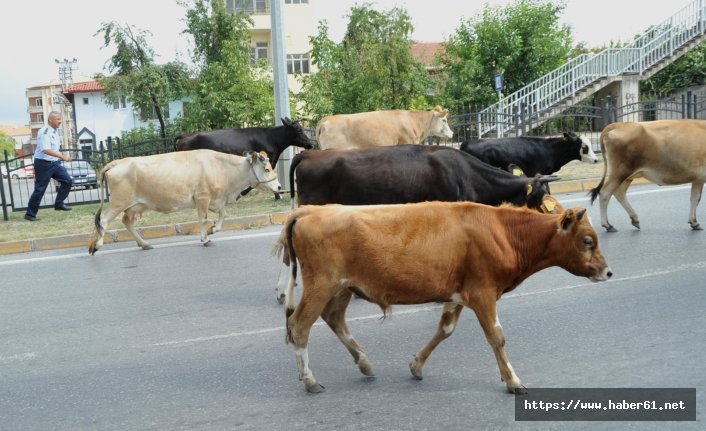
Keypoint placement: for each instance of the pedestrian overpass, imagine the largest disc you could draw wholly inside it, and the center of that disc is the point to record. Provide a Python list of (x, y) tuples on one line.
[(620, 69)]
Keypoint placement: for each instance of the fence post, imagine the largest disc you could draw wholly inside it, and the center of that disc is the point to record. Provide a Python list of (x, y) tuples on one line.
[(2, 188), (120, 147)]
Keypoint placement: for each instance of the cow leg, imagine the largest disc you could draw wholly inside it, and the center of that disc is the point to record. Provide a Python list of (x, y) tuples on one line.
[(299, 326), (486, 311), (219, 223), (129, 222), (101, 225), (447, 324), (604, 198), (202, 211), (696, 190), (621, 196), (335, 316), (281, 289)]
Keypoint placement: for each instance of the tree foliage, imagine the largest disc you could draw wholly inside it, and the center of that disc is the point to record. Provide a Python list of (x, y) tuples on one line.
[(524, 40), (148, 86), (372, 68), (231, 90), (7, 144), (687, 71)]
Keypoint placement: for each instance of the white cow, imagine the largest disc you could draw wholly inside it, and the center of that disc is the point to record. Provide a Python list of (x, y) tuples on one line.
[(381, 128), (205, 179)]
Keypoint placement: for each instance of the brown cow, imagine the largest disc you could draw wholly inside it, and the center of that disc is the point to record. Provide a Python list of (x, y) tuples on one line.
[(381, 128), (459, 253), (666, 152)]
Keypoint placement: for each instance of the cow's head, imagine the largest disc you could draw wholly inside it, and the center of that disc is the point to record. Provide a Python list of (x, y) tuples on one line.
[(586, 150), (440, 123), (537, 190), (576, 242), (262, 175), (295, 134)]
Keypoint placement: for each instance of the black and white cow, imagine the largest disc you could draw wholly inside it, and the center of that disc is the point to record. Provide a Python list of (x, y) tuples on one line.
[(534, 155)]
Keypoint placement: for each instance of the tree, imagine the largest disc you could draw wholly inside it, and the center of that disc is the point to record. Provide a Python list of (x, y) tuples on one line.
[(372, 68), (689, 70), (231, 90), (7, 144), (524, 40), (148, 86)]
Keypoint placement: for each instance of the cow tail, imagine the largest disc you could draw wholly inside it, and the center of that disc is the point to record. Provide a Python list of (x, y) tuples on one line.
[(595, 192), (103, 187), (295, 162), (289, 305)]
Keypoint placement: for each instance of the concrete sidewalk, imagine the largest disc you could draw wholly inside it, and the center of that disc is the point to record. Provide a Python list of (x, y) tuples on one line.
[(191, 228)]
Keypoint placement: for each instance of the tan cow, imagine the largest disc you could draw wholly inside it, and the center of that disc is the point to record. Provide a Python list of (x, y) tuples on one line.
[(381, 128), (459, 253), (205, 179), (666, 152)]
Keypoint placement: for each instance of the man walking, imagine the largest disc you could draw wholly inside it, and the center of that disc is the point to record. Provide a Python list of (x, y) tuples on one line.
[(47, 166)]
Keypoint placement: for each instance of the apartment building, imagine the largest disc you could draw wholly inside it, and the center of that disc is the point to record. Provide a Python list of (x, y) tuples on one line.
[(300, 23)]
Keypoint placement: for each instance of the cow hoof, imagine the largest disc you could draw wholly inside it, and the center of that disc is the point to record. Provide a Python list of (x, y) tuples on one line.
[(366, 368), (610, 228), (314, 388), (696, 226), (521, 390), (147, 247), (280, 299), (207, 243), (416, 368), (92, 250), (636, 224)]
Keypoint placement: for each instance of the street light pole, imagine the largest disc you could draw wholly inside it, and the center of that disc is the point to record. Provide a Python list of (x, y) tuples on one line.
[(279, 67), (66, 75)]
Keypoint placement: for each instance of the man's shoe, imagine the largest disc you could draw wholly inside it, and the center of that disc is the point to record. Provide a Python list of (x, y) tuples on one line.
[(62, 207), (31, 218)]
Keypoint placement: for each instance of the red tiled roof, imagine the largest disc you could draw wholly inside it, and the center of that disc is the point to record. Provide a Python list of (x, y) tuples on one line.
[(425, 52), (85, 87)]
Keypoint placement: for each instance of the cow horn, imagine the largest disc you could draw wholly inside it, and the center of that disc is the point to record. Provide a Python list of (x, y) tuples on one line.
[(548, 178)]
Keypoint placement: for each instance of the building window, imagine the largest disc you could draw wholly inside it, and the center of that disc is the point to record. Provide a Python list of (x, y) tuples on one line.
[(250, 7), (121, 103), (296, 1), (259, 51), (37, 102), (85, 100), (57, 100), (39, 118), (151, 114), (297, 63)]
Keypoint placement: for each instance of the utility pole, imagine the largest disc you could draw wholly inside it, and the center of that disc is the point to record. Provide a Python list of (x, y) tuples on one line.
[(279, 67)]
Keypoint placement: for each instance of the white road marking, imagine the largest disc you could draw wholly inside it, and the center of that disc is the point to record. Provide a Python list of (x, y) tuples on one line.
[(18, 358), (132, 249), (427, 308)]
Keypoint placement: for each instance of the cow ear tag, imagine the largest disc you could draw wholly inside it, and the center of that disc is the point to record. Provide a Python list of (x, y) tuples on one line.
[(518, 172), (529, 189), (548, 206)]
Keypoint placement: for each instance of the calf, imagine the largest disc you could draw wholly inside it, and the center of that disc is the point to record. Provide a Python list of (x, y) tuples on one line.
[(205, 179), (460, 253)]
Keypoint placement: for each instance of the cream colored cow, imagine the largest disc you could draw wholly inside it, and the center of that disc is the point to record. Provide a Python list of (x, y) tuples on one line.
[(205, 179), (381, 128)]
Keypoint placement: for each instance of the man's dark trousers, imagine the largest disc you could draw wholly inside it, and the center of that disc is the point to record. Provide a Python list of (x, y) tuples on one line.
[(44, 171)]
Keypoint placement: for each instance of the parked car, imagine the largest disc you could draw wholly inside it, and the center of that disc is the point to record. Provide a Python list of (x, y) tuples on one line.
[(19, 173), (82, 173)]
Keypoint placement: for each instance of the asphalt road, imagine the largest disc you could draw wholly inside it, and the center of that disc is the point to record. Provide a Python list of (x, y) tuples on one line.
[(187, 337)]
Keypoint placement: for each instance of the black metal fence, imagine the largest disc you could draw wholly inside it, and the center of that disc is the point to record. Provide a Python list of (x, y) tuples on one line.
[(585, 119), (18, 173)]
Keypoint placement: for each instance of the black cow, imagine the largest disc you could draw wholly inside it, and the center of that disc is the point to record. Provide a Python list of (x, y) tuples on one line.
[(406, 174), (534, 155), (272, 140)]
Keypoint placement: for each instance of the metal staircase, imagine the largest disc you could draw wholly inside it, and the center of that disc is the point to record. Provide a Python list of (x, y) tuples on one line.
[(584, 75)]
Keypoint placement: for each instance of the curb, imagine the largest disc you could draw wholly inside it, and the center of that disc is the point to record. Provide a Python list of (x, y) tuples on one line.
[(147, 232), (190, 228)]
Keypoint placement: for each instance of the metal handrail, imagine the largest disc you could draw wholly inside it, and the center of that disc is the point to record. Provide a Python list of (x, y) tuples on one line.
[(655, 45)]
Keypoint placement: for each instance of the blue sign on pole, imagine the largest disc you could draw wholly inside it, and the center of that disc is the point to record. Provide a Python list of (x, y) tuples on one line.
[(498, 81)]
